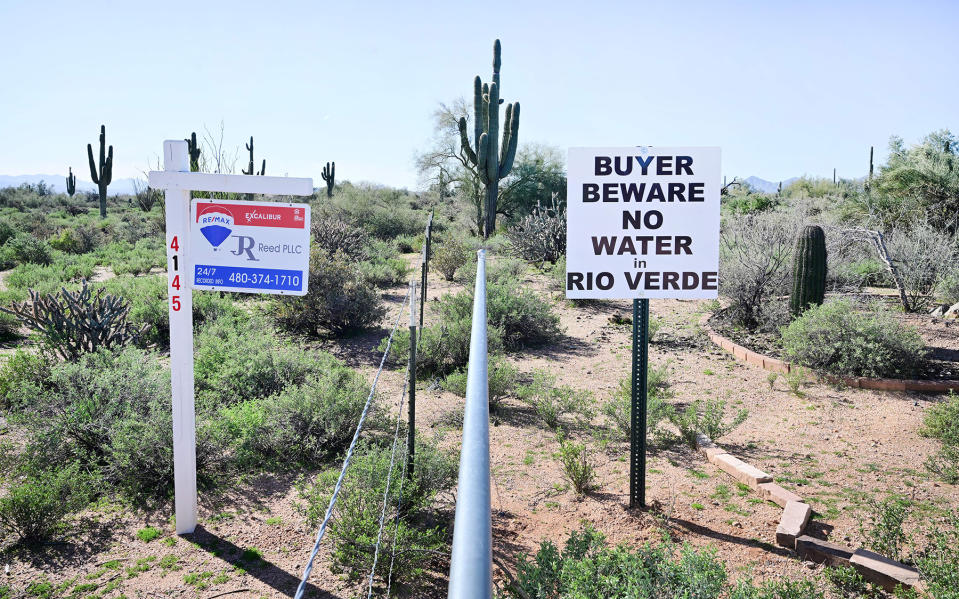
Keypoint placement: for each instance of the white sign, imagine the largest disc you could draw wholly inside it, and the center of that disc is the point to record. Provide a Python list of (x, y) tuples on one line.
[(643, 222), (251, 247)]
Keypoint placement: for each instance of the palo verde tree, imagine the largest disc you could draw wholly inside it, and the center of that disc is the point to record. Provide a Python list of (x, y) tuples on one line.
[(249, 170), (492, 161), (104, 176), (71, 183), (329, 174)]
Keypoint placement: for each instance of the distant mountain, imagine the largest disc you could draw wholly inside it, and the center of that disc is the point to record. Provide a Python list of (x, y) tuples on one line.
[(767, 186), (59, 183)]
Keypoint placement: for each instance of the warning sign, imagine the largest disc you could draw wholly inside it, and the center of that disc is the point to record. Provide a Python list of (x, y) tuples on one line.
[(643, 222), (252, 247)]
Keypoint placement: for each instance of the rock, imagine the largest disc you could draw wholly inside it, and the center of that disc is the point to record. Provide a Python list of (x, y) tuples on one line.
[(952, 313), (883, 571), (939, 311), (792, 524), (742, 471)]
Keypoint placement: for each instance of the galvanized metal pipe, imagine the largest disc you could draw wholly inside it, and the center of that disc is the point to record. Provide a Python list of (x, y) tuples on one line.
[(471, 564)]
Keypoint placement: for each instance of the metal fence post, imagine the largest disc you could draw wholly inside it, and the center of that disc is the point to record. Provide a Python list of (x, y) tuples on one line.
[(471, 562), (411, 414), (637, 424), (425, 264)]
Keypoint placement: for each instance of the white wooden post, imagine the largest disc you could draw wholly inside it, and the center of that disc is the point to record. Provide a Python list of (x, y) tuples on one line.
[(176, 158)]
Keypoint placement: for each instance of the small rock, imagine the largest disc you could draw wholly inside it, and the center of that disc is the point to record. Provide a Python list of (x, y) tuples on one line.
[(810, 564)]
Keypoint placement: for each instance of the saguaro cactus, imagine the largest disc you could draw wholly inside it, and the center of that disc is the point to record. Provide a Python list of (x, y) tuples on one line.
[(249, 170), (328, 174), (809, 270), (104, 177), (491, 161), (71, 183), (194, 152)]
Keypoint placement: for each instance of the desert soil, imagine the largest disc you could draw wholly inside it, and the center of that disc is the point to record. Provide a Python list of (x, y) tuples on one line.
[(843, 450)]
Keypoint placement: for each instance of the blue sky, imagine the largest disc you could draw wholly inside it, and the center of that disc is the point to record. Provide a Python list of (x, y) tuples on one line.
[(785, 88)]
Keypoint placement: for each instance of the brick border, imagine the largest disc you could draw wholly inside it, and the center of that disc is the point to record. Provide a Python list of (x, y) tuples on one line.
[(790, 533), (748, 356)]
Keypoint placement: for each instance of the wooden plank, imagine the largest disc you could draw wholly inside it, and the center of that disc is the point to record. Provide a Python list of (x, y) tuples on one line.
[(186, 181)]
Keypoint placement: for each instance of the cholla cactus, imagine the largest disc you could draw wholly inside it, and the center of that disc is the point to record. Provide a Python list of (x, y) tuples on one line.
[(77, 322), (541, 236)]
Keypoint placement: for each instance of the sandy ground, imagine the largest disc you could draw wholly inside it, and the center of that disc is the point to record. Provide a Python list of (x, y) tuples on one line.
[(841, 449)]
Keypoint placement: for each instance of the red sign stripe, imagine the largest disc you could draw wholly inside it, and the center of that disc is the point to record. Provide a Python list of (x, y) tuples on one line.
[(288, 217)]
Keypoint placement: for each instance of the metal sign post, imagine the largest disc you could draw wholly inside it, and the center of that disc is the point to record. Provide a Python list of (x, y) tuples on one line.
[(183, 274), (637, 415)]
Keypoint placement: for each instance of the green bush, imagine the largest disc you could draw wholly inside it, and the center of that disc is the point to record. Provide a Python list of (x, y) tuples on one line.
[(577, 468), (658, 410), (147, 254), (75, 240), (554, 403), (705, 417), (938, 561), (442, 348), (34, 509), (524, 318), (839, 338), (449, 256), (501, 381), (382, 265), (22, 377), (339, 299), (588, 567), (751, 203), (24, 248), (421, 533), (7, 231), (884, 533), (337, 236)]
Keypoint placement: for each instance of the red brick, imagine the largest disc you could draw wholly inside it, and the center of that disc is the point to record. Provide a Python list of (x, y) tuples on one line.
[(792, 524), (776, 494), (883, 571), (822, 552)]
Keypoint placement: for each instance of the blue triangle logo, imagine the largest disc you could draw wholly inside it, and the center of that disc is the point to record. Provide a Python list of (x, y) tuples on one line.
[(215, 234)]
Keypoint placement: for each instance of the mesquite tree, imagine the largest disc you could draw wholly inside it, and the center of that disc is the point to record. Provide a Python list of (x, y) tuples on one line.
[(492, 161), (104, 177)]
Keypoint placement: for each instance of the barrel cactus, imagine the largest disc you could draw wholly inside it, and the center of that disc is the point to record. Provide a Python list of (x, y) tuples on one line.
[(809, 270)]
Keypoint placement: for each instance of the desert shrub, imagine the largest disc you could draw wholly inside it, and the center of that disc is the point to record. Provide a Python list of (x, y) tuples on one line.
[(24, 248), (449, 256), (74, 323), (382, 265), (21, 378), (421, 531), (339, 299), (925, 257), (755, 253), (588, 567), (502, 379), (337, 236), (941, 421), (705, 417), (498, 271), (750, 203), (63, 272), (777, 589), (948, 289), (658, 410), (554, 403), (938, 559), (303, 424), (35, 507), (577, 468), (884, 533), (541, 235), (145, 255), (7, 231), (846, 581), (75, 240), (866, 272), (384, 213), (110, 412), (839, 338), (441, 348), (807, 187)]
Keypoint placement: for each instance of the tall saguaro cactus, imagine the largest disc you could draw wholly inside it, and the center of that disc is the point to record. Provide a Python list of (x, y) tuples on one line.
[(71, 183), (104, 177), (492, 161), (809, 270), (249, 147), (194, 151), (329, 174)]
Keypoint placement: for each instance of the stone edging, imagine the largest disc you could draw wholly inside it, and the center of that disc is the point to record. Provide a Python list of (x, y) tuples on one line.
[(873, 567), (774, 365)]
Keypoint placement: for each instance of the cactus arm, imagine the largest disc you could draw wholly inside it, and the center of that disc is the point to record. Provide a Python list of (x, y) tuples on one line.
[(263, 168), (465, 142), (333, 171), (93, 165), (492, 161), (103, 146), (478, 112), (511, 140), (106, 173), (497, 50)]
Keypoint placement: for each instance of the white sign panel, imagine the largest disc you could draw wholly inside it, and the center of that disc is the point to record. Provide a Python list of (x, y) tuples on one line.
[(643, 222), (251, 247)]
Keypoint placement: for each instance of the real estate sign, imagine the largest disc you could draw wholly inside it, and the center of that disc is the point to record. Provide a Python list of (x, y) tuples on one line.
[(643, 222), (251, 247)]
